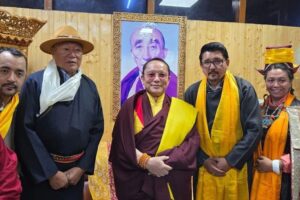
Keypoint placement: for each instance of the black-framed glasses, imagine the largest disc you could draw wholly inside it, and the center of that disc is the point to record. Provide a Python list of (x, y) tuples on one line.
[(216, 63)]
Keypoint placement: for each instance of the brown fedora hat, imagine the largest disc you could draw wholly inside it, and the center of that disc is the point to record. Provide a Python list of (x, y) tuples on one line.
[(66, 34), (279, 54)]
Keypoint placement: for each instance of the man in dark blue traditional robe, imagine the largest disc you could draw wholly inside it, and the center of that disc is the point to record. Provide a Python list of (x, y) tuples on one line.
[(59, 122)]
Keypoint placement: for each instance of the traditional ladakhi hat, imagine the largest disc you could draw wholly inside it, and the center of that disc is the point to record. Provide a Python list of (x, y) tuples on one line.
[(279, 54), (66, 34)]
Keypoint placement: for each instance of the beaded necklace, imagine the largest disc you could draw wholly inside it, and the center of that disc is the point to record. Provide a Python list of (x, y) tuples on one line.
[(268, 119)]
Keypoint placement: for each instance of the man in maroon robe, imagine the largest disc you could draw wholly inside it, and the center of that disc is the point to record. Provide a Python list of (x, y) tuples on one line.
[(10, 185), (163, 128)]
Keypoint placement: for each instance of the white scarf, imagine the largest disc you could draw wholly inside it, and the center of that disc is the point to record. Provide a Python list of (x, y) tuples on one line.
[(52, 91)]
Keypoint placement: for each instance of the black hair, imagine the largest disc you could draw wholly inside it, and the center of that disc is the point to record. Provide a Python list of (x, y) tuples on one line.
[(213, 46), (158, 59), (15, 52), (287, 67)]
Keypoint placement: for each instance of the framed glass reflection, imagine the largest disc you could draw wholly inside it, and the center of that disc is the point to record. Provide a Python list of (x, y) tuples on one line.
[(138, 38)]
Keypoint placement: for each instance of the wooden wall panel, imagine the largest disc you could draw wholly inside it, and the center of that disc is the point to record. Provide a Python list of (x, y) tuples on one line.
[(245, 43), (242, 42)]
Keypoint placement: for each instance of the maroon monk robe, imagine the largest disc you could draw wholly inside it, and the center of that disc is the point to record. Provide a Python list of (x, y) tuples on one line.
[(10, 185), (133, 182)]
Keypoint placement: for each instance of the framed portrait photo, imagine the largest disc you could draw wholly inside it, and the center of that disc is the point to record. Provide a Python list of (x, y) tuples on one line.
[(138, 38)]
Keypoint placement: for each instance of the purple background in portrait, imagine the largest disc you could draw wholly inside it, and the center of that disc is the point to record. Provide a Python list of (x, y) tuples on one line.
[(170, 33)]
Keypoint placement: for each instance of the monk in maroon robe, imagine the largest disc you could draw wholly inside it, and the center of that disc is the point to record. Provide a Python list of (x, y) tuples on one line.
[(10, 185), (167, 174)]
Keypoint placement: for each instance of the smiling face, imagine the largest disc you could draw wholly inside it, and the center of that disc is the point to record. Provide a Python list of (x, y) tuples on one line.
[(278, 83), (156, 78), (68, 55), (12, 74)]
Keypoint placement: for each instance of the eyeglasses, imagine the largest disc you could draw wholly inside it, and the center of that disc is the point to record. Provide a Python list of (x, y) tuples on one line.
[(216, 63)]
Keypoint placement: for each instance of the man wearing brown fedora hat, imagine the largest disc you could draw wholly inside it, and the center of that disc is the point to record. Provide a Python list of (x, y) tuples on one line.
[(59, 122)]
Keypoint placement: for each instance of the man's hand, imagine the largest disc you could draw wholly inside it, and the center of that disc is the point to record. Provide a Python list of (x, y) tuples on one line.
[(58, 181), (157, 167), (211, 166), (74, 174), (264, 164), (222, 164)]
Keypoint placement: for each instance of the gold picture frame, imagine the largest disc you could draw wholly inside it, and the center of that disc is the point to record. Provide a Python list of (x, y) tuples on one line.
[(173, 32)]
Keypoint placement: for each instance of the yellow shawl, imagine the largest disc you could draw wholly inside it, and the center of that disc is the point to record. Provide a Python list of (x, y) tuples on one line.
[(178, 125), (226, 132), (176, 129), (267, 185), (7, 114)]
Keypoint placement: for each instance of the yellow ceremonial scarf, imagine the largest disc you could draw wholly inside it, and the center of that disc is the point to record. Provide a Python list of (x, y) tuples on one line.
[(156, 106), (267, 185), (226, 132), (7, 114), (177, 125), (176, 129)]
